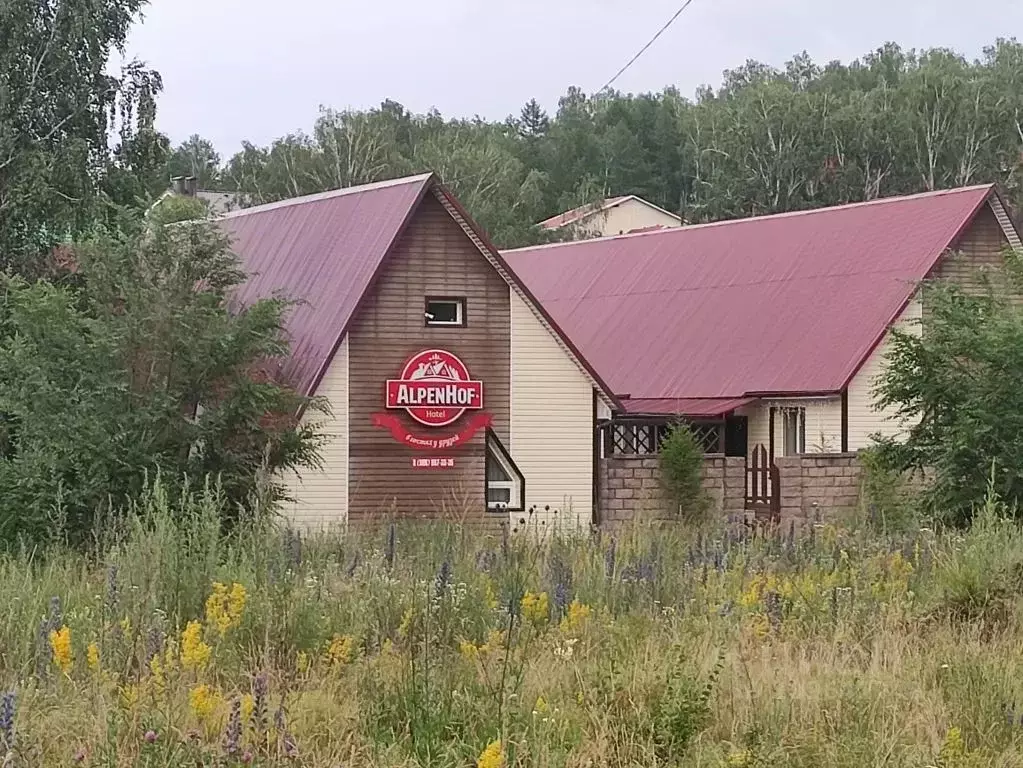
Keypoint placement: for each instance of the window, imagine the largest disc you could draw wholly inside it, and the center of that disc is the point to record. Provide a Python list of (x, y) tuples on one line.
[(794, 431), (445, 311), (504, 481)]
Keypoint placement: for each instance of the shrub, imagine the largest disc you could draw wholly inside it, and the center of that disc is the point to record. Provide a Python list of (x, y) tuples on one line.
[(681, 472)]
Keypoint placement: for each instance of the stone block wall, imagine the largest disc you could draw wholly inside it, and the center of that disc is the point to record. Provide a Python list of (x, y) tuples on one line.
[(812, 486)]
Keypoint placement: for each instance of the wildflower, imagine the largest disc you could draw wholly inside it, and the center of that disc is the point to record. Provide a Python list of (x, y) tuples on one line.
[(233, 732), (535, 607), (540, 708), (739, 758), (92, 657), (494, 641), (203, 701), (609, 559), (247, 756), (468, 650), (224, 606), (492, 757), (488, 595), (258, 718), (7, 721), (157, 673), (113, 591), (60, 645), (150, 736), (443, 578), (302, 662), (575, 617), (195, 653), (248, 704), (953, 748), (339, 651), (125, 626), (79, 755), (129, 696)]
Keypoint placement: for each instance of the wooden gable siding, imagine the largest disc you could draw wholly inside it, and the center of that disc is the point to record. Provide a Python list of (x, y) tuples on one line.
[(434, 257), (980, 247)]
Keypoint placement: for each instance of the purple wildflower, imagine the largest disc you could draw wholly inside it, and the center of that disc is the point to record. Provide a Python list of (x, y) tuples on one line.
[(294, 548), (258, 717), (443, 578), (7, 721), (154, 642), (610, 555), (247, 756), (149, 736), (389, 553), (113, 596), (233, 732), (772, 606), (561, 576), (80, 755)]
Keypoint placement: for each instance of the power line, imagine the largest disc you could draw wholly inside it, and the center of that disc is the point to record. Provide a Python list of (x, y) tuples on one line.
[(642, 50)]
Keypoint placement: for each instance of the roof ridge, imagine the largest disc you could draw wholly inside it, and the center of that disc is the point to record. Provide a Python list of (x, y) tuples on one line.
[(748, 219), (317, 196), (586, 209)]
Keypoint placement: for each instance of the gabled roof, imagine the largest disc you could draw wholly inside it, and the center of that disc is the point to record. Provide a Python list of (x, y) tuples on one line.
[(776, 305), (325, 251), (585, 211)]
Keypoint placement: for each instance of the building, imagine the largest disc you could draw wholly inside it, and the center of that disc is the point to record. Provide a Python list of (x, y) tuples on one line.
[(217, 203), (452, 391), (768, 331), (614, 216)]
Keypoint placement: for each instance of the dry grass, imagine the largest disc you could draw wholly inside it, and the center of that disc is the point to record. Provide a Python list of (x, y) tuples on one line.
[(685, 649)]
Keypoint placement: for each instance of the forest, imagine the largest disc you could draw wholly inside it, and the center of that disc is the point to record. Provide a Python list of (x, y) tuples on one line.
[(765, 140)]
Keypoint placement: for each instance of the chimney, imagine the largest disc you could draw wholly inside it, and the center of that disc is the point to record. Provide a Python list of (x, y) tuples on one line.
[(191, 186), (178, 185)]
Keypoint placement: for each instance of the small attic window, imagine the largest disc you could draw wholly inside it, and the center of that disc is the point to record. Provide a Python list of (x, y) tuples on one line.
[(445, 311)]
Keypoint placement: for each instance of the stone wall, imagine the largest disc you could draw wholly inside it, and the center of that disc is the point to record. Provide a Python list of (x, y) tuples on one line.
[(812, 486)]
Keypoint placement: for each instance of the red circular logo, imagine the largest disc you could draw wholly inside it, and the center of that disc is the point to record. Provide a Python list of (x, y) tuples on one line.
[(435, 388)]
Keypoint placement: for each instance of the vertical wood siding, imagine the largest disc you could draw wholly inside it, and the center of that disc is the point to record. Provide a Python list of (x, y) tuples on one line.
[(864, 419), (321, 495), (434, 257), (551, 422)]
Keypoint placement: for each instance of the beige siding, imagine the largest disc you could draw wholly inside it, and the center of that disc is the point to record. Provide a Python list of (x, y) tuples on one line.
[(823, 423), (864, 419), (633, 215), (321, 495), (551, 421)]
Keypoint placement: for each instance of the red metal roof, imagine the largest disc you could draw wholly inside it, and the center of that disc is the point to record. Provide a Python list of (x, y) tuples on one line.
[(685, 406), (784, 304), (323, 251)]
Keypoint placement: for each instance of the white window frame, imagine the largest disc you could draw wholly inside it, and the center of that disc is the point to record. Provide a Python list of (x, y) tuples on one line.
[(459, 320), (495, 452), (793, 417)]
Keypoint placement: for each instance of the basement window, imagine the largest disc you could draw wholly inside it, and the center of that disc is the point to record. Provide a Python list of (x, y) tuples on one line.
[(504, 481), (445, 311)]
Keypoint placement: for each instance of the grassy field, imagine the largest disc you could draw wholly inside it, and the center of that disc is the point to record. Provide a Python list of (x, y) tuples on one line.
[(434, 646)]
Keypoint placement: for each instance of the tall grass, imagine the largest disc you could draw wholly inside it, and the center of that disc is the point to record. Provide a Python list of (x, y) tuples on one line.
[(438, 646)]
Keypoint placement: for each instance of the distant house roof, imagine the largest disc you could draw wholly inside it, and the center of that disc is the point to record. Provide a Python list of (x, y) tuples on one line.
[(218, 202), (325, 251), (775, 305), (585, 211)]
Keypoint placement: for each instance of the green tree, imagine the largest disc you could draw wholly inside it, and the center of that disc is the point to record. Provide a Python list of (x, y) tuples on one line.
[(58, 104), (957, 385), (133, 366), (195, 157)]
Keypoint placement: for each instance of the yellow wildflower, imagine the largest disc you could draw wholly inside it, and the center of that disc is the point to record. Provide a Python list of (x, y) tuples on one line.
[(540, 708), (60, 644), (495, 641), (248, 704), (125, 625), (195, 653), (129, 696), (953, 748), (739, 758), (224, 606), (489, 596), (492, 756), (158, 673), (406, 623), (760, 625), (535, 607), (468, 650), (204, 701), (92, 656), (340, 650), (575, 617), (302, 662)]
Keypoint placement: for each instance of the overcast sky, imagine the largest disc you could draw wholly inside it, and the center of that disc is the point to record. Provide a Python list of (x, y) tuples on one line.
[(258, 69)]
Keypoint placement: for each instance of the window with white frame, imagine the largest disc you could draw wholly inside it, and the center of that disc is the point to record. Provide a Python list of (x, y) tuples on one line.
[(445, 311), (793, 431), (504, 481)]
